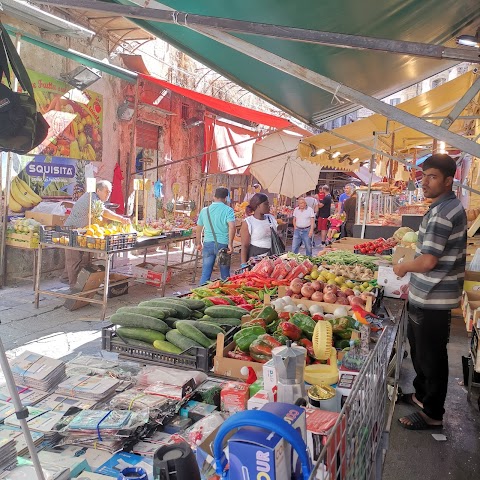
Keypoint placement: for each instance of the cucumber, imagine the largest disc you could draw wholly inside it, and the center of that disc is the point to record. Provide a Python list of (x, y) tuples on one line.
[(136, 320), (226, 311), (190, 331), (231, 322), (135, 343), (149, 311), (171, 321), (143, 334), (197, 314), (165, 346), (180, 341), (181, 310), (192, 303), (211, 330), (167, 310)]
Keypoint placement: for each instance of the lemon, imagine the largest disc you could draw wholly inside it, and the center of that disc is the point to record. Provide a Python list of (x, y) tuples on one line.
[(339, 280), (331, 276), (314, 274), (331, 282)]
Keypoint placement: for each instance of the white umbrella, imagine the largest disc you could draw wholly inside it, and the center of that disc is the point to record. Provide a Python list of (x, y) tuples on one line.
[(276, 166)]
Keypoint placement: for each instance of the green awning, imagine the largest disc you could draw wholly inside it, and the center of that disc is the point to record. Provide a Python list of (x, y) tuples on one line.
[(375, 73), (79, 57)]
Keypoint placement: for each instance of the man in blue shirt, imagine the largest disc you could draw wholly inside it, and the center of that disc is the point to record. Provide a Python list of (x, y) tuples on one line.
[(216, 220), (347, 193)]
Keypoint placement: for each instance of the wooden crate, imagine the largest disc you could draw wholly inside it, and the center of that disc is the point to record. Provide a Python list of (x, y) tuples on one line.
[(22, 240)]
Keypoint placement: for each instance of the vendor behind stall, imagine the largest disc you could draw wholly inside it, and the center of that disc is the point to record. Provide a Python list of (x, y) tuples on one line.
[(78, 218)]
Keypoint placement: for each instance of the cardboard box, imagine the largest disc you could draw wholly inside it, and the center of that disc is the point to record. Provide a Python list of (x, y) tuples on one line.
[(472, 315), (257, 453), (89, 278), (234, 397), (22, 240), (204, 453), (394, 286), (229, 367), (259, 400), (471, 282), (475, 348), (150, 273), (270, 377), (47, 219), (121, 288)]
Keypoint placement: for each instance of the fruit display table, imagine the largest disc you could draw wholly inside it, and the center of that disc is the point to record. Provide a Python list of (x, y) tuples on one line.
[(107, 257)]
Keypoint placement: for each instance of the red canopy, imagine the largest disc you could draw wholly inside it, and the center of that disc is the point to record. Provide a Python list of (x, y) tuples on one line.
[(222, 106)]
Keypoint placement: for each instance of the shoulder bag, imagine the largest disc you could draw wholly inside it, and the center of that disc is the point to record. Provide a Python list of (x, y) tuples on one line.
[(223, 257), (278, 247), (22, 127)]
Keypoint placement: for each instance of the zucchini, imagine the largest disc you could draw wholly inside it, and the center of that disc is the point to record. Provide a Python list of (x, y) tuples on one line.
[(190, 331), (149, 311), (167, 310), (165, 346), (135, 343), (137, 320), (231, 322), (226, 311), (180, 341), (181, 310), (142, 334), (211, 330)]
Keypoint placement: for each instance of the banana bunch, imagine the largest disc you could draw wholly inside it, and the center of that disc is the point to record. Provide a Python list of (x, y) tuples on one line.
[(22, 196), (151, 232), (88, 153)]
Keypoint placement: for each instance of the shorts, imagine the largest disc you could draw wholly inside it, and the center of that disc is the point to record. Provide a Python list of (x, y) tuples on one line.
[(322, 223), (335, 229)]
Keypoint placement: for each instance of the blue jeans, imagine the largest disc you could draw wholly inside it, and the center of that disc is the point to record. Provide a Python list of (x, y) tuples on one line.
[(209, 256), (300, 235)]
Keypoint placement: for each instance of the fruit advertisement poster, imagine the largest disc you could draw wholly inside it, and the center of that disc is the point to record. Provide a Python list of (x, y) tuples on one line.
[(75, 118), (39, 177)]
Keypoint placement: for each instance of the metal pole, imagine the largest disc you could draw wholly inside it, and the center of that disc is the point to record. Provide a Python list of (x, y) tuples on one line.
[(20, 411), (369, 190), (3, 233), (169, 15)]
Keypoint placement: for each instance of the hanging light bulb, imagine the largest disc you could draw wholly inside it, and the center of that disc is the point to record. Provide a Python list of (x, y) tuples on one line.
[(320, 151), (336, 154), (355, 160), (441, 148)]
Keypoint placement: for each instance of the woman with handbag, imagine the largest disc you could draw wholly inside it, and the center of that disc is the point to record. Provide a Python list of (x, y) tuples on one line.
[(218, 221), (257, 229)]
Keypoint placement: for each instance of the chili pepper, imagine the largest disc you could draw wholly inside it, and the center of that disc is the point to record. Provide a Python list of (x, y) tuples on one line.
[(281, 338), (317, 317), (268, 313), (220, 301), (305, 322), (213, 285), (289, 330), (237, 299), (239, 355), (261, 295), (207, 302), (305, 342), (254, 322), (261, 358), (246, 306), (246, 336), (272, 327)]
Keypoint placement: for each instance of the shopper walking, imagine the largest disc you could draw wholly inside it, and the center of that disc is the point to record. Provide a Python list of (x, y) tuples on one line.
[(218, 223), (348, 189), (312, 202), (435, 288), (324, 211), (303, 227), (255, 231), (350, 210)]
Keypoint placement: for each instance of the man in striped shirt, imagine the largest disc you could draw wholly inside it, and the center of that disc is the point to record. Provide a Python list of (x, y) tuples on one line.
[(435, 288)]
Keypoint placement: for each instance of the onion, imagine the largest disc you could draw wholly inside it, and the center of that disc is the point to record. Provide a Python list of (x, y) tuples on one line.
[(340, 312), (357, 301), (330, 289), (328, 315), (289, 292), (288, 300), (315, 309), (307, 290), (317, 297), (364, 296), (290, 309), (348, 292), (302, 307), (342, 301), (296, 285), (297, 296), (340, 293), (329, 297), (317, 285)]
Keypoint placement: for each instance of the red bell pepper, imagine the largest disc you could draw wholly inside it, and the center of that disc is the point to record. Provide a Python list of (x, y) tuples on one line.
[(305, 342), (246, 306), (239, 355), (317, 317), (254, 321), (289, 330)]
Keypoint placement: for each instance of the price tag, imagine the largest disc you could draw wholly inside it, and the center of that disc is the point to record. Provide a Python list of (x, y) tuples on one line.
[(176, 188), (91, 184)]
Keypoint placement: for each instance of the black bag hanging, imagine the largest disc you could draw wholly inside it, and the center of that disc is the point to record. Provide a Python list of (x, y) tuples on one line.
[(278, 247), (22, 127)]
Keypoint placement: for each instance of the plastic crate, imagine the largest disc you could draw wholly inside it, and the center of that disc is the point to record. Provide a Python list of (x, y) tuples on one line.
[(187, 233), (58, 235), (109, 243), (194, 358)]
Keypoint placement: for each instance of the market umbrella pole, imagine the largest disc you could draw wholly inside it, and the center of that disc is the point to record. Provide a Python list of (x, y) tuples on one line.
[(20, 411)]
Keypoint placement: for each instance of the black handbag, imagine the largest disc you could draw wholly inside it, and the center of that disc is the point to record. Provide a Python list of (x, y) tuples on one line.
[(278, 247), (223, 257), (22, 127)]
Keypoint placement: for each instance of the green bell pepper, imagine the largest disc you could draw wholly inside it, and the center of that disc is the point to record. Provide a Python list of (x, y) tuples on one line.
[(246, 336), (269, 314), (305, 323)]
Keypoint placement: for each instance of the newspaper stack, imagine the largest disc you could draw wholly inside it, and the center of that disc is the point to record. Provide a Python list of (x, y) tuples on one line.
[(6, 409), (88, 388), (39, 420), (62, 403), (9, 432), (37, 371), (8, 453), (28, 396), (27, 471)]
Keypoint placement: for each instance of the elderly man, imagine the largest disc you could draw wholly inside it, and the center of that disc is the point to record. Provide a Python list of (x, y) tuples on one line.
[(348, 189), (257, 188), (303, 227), (75, 260)]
